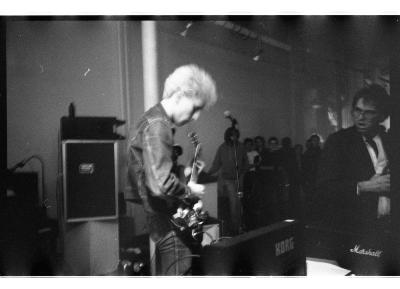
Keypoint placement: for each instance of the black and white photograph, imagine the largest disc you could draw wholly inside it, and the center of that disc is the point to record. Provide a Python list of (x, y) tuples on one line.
[(147, 145)]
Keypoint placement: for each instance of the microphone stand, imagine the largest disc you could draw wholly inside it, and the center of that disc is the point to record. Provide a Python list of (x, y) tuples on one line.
[(237, 188), (238, 195)]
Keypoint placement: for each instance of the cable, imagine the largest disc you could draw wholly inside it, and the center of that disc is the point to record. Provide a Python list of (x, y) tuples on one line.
[(180, 259), (208, 234), (155, 251), (176, 224), (221, 238), (44, 199)]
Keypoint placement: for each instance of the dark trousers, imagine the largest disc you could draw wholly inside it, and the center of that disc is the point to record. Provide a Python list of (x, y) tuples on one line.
[(229, 207), (250, 202), (174, 254)]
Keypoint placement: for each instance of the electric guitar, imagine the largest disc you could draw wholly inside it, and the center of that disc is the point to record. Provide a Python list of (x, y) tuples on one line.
[(189, 215)]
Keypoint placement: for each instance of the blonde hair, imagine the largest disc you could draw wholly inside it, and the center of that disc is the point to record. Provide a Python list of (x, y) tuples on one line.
[(193, 81)]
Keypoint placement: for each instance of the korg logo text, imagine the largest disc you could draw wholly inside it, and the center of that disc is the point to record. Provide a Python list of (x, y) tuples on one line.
[(86, 169), (284, 246)]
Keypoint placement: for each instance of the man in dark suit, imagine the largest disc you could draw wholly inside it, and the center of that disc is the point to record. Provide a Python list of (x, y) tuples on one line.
[(353, 182)]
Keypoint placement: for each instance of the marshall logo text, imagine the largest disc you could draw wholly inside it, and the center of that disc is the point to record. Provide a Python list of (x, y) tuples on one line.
[(369, 252)]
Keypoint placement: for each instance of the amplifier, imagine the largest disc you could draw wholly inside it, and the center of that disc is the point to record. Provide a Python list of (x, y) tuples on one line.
[(375, 253), (275, 250), (90, 128), (90, 180)]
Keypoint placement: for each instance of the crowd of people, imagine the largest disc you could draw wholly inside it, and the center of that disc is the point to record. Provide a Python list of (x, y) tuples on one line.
[(258, 183), (279, 181)]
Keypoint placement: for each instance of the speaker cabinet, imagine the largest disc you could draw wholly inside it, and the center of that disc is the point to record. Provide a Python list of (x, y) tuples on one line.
[(275, 250), (90, 180)]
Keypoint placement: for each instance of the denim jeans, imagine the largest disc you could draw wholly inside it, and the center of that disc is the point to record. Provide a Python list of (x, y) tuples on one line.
[(173, 254)]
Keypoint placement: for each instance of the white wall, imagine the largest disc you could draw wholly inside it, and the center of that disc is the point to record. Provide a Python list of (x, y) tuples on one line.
[(49, 65)]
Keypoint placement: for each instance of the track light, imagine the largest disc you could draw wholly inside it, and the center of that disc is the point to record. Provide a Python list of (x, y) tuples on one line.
[(184, 32)]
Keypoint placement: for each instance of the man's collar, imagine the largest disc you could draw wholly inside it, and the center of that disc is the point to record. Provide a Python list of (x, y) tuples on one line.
[(376, 132)]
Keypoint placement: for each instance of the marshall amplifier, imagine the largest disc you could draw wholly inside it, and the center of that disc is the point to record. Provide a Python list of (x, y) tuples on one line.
[(275, 250), (374, 253), (90, 180)]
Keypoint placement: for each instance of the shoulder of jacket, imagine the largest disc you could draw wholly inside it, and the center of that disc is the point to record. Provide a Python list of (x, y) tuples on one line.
[(343, 137), (343, 133)]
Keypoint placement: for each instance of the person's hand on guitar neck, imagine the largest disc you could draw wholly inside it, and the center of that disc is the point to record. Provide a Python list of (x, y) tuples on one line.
[(200, 165), (197, 190)]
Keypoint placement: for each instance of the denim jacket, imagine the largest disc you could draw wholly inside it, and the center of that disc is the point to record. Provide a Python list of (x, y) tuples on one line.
[(150, 164)]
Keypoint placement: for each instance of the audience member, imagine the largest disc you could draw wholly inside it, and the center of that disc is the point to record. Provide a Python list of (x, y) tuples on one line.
[(354, 177), (310, 167), (291, 186), (231, 164), (249, 197)]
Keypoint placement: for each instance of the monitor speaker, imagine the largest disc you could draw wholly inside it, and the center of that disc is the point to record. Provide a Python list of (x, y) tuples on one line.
[(90, 180)]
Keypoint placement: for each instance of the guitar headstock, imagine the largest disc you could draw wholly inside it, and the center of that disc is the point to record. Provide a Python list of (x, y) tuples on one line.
[(194, 138)]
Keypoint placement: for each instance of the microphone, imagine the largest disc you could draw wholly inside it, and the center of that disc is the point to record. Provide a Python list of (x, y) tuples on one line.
[(228, 115)]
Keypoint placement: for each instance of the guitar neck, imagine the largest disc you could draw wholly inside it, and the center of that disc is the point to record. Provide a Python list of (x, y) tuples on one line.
[(195, 174)]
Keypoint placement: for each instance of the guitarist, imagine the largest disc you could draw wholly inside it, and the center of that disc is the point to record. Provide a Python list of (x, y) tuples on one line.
[(187, 91)]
